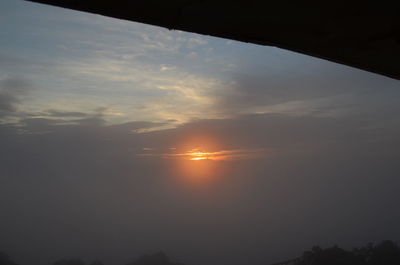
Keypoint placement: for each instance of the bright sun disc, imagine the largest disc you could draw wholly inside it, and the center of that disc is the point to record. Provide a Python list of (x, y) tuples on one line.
[(195, 156), (198, 158)]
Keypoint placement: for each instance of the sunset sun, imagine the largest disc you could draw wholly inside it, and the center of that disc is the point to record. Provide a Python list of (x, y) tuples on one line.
[(201, 162), (196, 155)]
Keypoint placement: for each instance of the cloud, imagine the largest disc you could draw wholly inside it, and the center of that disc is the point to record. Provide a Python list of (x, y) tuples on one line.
[(81, 54), (65, 114), (12, 91), (311, 89), (204, 154)]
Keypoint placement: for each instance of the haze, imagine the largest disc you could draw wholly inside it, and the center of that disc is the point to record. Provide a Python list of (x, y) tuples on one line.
[(100, 117)]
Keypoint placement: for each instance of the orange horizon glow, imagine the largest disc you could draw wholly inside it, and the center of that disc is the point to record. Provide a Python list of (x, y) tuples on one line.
[(197, 154)]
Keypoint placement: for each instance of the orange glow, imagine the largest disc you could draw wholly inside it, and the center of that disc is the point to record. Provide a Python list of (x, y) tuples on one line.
[(197, 155), (197, 170), (198, 160)]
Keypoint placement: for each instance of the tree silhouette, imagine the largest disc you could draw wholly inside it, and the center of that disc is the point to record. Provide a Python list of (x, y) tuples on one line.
[(5, 260), (385, 253)]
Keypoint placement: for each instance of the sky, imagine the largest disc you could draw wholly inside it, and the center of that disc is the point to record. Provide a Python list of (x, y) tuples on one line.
[(119, 138)]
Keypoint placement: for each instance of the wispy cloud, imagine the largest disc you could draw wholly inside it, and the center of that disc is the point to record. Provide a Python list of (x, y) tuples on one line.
[(141, 72)]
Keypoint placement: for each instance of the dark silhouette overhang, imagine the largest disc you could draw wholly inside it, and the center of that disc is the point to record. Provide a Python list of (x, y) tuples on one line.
[(362, 34)]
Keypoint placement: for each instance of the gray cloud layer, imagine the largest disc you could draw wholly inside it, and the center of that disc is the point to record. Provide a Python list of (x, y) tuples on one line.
[(337, 87)]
